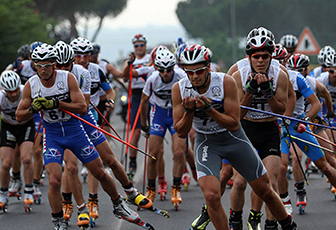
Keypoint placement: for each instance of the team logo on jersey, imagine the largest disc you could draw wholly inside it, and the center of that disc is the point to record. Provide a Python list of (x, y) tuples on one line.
[(216, 91), (87, 151), (52, 153), (60, 85)]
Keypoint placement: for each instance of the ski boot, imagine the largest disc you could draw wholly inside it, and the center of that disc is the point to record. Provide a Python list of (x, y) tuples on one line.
[(67, 210), (175, 196), (84, 173), (288, 205), (271, 225), (202, 221), (186, 180), (150, 193), (59, 223), (83, 220), (37, 193), (291, 226), (235, 220), (254, 220), (139, 199), (93, 209), (28, 201), (301, 200), (15, 188), (4, 201), (163, 190)]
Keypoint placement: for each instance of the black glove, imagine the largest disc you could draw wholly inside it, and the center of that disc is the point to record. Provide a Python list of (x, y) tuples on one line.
[(131, 59), (145, 131), (252, 86), (266, 88), (330, 115)]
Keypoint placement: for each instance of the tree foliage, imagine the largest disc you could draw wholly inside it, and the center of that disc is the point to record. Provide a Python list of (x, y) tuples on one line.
[(70, 11), (19, 25), (211, 20)]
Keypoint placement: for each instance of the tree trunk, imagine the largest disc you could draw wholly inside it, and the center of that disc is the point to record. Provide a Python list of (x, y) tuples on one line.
[(73, 22), (98, 29)]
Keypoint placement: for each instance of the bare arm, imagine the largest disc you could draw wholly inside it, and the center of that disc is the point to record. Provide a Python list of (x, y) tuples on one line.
[(112, 70), (244, 98), (291, 103), (22, 112), (232, 69), (144, 109), (322, 91), (279, 102), (315, 106)]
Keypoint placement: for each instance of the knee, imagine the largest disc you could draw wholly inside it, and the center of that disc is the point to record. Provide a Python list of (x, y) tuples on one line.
[(239, 185), (6, 166), (54, 182), (266, 194), (212, 197), (179, 155), (326, 169), (100, 174), (283, 170), (26, 160), (72, 169), (112, 162)]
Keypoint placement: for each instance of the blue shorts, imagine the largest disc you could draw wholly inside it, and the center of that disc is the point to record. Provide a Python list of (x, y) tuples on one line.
[(94, 114), (161, 120), (96, 136), (37, 120), (66, 135), (312, 152)]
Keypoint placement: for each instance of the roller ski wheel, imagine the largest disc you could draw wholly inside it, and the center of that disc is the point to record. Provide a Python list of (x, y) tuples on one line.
[(157, 211), (186, 180), (28, 202), (138, 221), (15, 194), (301, 202), (301, 209), (162, 191), (92, 222), (176, 197), (4, 208), (37, 199)]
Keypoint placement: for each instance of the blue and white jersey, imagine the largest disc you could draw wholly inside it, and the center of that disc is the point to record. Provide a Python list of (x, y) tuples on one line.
[(302, 90), (139, 82), (202, 122), (245, 62), (25, 71), (60, 91), (312, 83), (83, 77), (324, 79), (315, 73), (160, 92), (98, 80), (8, 108), (259, 100)]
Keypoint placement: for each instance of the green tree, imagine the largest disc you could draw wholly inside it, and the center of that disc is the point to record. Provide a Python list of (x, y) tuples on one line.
[(207, 19), (19, 25)]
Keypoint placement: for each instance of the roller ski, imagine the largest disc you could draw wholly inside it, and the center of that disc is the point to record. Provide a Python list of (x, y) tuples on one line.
[(157, 211), (185, 180), (15, 188), (162, 191), (122, 211), (59, 223), (93, 210), (235, 220), (28, 202), (202, 221), (37, 194), (4, 201), (301, 200), (176, 197), (67, 210), (288, 205), (83, 220)]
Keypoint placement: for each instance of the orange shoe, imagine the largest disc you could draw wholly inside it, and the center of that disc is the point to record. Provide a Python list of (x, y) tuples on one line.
[(150, 193), (67, 209), (93, 207)]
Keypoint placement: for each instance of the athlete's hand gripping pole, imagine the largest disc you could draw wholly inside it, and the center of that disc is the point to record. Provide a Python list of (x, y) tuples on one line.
[(105, 120), (297, 156), (107, 133)]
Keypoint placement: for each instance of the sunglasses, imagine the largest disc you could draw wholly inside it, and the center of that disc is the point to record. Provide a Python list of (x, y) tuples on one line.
[(332, 71), (81, 55), (165, 70), (67, 65), (198, 71), (139, 45), (44, 66), (263, 56)]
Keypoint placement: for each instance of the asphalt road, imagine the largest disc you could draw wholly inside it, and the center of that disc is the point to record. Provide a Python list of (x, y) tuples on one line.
[(319, 214)]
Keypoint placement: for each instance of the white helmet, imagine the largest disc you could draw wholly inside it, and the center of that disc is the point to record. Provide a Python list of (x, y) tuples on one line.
[(194, 54), (259, 43), (44, 52), (81, 45), (330, 61), (298, 61), (164, 59), (10, 80), (156, 50), (65, 53), (261, 31), (139, 38), (323, 54), (289, 41)]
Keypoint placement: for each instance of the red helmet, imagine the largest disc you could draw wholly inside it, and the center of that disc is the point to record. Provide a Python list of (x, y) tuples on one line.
[(280, 52), (298, 61)]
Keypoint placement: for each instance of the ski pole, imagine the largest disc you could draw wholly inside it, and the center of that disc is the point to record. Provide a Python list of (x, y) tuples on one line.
[(107, 133), (285, 117), (297, 155), (312, 144), (106, 121), (128, 111), (145, 169), (323, 139)]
